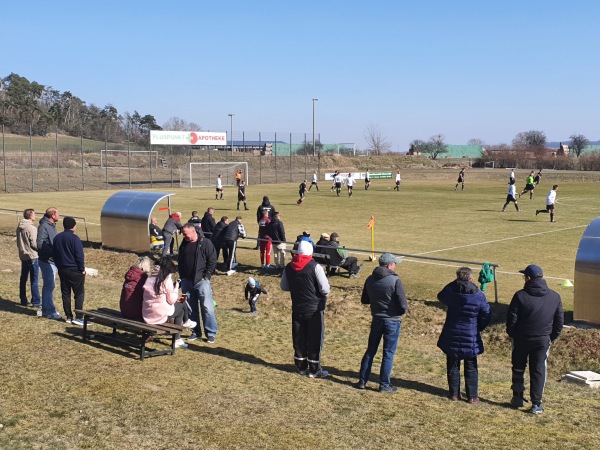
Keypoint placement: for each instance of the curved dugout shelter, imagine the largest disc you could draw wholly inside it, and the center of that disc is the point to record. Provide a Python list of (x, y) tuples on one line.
[(587, 275), (125, 218)]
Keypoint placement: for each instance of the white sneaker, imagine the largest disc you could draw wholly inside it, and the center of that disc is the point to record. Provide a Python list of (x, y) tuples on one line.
[(189, 324), (179, 343), (77, 322)]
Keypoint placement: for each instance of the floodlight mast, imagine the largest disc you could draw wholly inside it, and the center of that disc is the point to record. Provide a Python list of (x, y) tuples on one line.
[(230, 137)]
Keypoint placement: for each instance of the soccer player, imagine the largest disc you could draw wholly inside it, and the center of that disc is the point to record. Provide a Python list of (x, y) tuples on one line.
[(219, 188), (314, 182), (512, 195), (338, 183), (538, 177), (367, 180), (461, 179), (397, 187), (550, 200), (301, 192), (529, 186), (242, 195), (350, 183)]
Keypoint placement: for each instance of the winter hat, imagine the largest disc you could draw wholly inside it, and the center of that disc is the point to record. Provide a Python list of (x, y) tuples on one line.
[(251, 282), (305, 248), (325, 235)]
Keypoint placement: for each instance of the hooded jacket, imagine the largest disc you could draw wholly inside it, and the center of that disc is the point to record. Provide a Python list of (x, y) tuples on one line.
[(307, 284), (45, 239), (383, 290), (27, 240), (208, 223), (486, 275), (468, 314), (276, 230), (535, 311), (217, 234), (173, 224), (132, 293), (265, 206)]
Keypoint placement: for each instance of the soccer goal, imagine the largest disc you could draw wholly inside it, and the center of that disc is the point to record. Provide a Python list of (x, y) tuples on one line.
[(125, 158), (205, 174), (489, 164)]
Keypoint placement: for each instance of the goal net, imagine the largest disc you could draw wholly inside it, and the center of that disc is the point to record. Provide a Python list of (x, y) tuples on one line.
[(129, 158), (205, 174), (489, 164)]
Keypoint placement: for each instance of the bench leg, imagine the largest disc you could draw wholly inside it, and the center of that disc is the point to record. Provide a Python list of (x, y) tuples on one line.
[(173, 339), (85, 324), (145, 336)]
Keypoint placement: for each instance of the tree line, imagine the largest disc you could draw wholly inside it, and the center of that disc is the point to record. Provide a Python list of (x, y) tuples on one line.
[(29, 107)]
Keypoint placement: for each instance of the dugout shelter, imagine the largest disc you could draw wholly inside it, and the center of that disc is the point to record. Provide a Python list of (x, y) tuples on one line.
[(125, 218), (587, 275)]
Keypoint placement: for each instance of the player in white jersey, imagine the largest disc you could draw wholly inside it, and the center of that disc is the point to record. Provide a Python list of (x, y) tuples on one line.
[(512, 195), (550, 201), (314, 182), (367, 180), (338, 183), (350, 183), (397, 187), (219, 188)]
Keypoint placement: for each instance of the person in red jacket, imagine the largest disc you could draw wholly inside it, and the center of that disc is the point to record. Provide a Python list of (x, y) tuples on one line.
[(132, 293)]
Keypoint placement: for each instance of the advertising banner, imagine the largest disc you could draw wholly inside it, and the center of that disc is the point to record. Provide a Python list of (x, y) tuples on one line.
[(161, 137), (360, 175)]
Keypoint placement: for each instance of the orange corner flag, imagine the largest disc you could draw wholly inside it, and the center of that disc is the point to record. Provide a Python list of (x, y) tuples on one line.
[(371, 223)]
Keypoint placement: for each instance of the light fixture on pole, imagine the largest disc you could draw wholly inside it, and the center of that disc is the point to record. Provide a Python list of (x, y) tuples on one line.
[(230, 135)]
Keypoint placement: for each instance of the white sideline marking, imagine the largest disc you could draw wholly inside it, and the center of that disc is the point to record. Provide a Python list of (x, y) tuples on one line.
[(501, 240)]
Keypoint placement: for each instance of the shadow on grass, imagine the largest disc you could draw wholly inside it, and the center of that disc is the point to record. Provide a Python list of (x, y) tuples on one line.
[(17, 308), (522, 220)]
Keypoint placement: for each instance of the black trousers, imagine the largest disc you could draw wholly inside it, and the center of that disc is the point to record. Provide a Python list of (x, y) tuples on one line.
[(350, 264), (536, 351), (180, 316), (229, 253), (72, 280), (307, 336)]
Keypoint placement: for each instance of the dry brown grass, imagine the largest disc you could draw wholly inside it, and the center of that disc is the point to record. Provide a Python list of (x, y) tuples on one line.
[(60, 393)]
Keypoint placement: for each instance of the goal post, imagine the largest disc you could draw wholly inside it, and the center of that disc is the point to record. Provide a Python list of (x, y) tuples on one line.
[(203, 174), (489, 165)]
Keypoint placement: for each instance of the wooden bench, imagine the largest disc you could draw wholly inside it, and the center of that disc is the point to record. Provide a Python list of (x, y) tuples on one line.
[(324, 259), (113, 319)]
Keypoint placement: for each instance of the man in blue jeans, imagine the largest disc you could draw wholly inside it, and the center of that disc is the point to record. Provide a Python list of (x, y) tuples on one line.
[(197, 260), (28, 254), (383, 290), (45, 240)]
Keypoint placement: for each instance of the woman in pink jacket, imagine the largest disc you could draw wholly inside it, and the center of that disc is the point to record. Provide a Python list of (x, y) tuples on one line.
[(162, 301)]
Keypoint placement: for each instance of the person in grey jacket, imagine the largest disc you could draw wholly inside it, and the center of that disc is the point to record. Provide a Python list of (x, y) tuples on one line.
[(172, 226), (45, 241), (27, 246), (383, 290)]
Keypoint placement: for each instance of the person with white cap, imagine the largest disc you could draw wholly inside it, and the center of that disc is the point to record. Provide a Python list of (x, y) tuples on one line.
[(383, 290), (252, 293), (305, 280), (534, 321)]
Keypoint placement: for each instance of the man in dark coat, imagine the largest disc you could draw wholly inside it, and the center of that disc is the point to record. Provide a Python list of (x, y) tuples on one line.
[(468, 314), (230, 236), (277, 232), (264, 206), (172, 226), (383, 290), (534, 321), (208, 223), (217, 235)]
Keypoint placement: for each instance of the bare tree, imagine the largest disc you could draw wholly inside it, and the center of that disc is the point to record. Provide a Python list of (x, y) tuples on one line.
[(532, 139), (435, 146), (476, 141), (578, 143), (377, 143)]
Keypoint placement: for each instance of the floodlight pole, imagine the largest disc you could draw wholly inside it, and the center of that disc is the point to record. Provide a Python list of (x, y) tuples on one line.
[(314, 148), (230, 135)]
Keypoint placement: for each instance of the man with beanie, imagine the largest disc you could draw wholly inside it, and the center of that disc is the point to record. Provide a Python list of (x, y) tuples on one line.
[(383, 290), (264, 206), (308, 286), (27, 246), (534, 321), (67, 251), (45, 240)]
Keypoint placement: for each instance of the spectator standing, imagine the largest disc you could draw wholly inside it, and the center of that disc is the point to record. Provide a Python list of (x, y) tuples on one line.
[(231, 234), (67, 251), (208, 223), (468, 314), (266, 243), (28, 254), (45, 240), (264, 206), (534, 321), (550, 201), (172, 226), (277, 233), (197, 260), (307, 284), (217, 236), (252, 293), (383, 290)]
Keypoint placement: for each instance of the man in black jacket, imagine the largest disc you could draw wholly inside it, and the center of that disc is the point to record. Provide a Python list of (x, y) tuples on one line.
[(264, 206), (196, 261), (208, 223), (277, 233), (383, 290), (534, 321), (217, 235), (230, 236)]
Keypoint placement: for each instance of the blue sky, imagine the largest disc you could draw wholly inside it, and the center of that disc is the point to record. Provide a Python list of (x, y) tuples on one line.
[(465, 69)]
